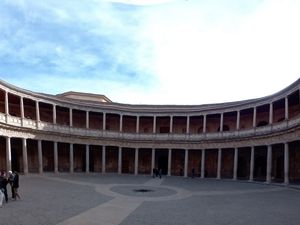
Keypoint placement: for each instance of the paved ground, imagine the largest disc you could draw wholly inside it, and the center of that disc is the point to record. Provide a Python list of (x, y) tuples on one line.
[(75, 199)]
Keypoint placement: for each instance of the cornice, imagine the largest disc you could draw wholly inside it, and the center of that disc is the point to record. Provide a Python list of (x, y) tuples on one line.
[(152, 109)]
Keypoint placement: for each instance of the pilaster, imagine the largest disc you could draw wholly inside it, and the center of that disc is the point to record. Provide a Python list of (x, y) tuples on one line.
[(40, 156), (203, 163), (235, 163), (251, 164), (87, 158), (286, 163), (71, 158), (269, 164), (8, 154), (186, 158), (55, 157), (169, 161), (136, 161), (25, 157), (219, 163)]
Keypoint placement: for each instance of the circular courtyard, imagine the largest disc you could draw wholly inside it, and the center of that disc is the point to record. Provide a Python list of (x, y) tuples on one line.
[(128, 200)]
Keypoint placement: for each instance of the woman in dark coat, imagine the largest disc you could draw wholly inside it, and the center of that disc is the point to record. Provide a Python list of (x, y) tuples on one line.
[(15, 185)]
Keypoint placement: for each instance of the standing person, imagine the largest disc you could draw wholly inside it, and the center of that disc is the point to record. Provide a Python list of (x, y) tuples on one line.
[(154, 172), (3, 184), (15, 185), (10, 180), (1, 197), (159, 173), (193, 172)]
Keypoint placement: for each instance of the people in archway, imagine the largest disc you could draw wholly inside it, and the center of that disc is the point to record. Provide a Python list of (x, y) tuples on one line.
[(181, 172), (154, 172), (159, 173)]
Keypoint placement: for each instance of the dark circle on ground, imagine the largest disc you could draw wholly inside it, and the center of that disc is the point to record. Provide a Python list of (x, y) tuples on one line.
[(142, 191)]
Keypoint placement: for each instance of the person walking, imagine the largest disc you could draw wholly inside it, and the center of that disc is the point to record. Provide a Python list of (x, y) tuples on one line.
[(15, 185), (10, 180)]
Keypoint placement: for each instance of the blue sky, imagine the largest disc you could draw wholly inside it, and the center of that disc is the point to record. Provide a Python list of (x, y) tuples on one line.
[(151, 51)]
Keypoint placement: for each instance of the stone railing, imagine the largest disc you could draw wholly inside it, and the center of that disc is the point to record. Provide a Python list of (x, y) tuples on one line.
[(148, 137)]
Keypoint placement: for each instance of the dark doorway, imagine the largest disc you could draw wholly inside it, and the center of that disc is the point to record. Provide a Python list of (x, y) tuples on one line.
[(161, 160), (260, 163), (16, 155), (244, 156), (279, 168)]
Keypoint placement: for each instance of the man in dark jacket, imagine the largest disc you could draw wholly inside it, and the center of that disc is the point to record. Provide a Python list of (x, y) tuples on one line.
[(3, 184)]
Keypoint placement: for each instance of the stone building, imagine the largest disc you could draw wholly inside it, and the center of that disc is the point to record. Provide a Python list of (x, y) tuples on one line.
[(256, 139)]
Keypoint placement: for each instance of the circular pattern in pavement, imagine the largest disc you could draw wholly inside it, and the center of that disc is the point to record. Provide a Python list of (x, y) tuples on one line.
[(142, 191)]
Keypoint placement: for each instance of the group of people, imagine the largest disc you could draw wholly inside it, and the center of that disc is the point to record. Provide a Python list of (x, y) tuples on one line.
[(157, 172), (11, 178)]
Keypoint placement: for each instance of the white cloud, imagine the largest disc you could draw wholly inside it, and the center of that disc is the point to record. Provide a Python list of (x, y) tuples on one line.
[(182, 52), (231, 60)]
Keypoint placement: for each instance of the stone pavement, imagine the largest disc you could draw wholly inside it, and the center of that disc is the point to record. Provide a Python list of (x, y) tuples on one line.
[(95, 199)]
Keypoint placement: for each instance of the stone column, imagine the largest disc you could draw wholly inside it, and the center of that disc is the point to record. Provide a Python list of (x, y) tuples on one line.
[(87, 120), (137, 124), (152, 161), (188, 124), (87, 158), (204, 123), (219, 163), (169, 161), (121, 123), (235, 163), (37, 113), (136, 161), (269, 164), (203, 164), (8, 154), (238, 118), (251, 164), (120, 160), (286, 163), (286, 112), (71, 117), (104, 121), (171, 124), (221, 122), (54, 114), (154, 124), (254, 117), (40, 156), (22, 110), (271, 113), (186, 160), (103, 159), (25, 157), (55, 157), (71, 158)]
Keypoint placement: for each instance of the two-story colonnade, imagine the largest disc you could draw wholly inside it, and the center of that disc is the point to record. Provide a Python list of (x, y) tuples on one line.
[(257, 139)]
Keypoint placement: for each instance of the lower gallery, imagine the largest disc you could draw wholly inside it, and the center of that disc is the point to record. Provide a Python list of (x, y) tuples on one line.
[(255, 140)]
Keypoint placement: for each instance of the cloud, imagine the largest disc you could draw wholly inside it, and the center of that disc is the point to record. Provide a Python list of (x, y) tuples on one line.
[(154, 52)]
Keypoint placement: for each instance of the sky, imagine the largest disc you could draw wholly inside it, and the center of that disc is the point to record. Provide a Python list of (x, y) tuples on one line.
[(182, 52)]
